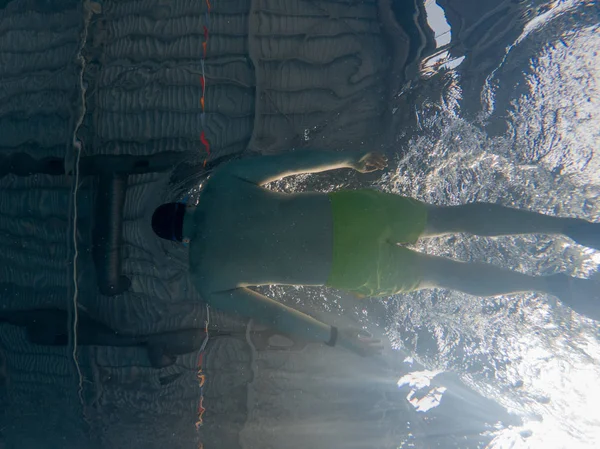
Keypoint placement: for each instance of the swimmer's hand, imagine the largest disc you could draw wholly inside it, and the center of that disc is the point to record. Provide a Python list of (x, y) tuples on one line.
[(369, 162), (359, 342)]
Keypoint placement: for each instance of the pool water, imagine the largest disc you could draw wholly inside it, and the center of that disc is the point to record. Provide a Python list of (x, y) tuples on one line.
[(494, 100), (531, 142)]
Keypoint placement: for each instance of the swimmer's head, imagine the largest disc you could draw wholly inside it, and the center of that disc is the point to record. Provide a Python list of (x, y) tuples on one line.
[(167, 221)]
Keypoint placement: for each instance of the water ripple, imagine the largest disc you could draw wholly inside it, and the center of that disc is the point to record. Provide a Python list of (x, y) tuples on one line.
[(527, 351)]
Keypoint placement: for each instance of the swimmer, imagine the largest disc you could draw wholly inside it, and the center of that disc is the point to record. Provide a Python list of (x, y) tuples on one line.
[(242, 235)]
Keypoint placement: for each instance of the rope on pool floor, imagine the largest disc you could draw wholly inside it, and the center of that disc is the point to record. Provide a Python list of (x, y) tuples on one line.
[(203, 138), (200, 373), (206, 144), (78, 147)]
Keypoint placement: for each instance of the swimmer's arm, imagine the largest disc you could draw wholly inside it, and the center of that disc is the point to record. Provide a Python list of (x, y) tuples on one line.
[(250, 304), (262, 170)]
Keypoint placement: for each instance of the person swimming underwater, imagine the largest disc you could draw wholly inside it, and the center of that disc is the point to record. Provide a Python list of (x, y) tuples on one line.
[(243, 235)]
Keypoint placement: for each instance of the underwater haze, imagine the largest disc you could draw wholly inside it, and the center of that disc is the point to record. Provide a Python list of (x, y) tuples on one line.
[(105, 343)]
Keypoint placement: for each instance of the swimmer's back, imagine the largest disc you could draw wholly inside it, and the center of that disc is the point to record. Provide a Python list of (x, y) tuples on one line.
[(248, 235)]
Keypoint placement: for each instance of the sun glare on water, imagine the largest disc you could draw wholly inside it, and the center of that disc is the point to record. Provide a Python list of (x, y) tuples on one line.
[(544, 359)]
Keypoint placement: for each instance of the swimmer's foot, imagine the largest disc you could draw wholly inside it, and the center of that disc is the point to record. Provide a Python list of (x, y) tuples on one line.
[(584, 233), (581, 295)]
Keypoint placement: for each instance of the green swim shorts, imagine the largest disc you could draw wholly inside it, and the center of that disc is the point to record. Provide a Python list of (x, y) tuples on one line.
[(367, 226)]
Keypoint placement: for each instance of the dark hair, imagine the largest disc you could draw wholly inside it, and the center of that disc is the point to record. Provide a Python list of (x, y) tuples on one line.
[(167, 221)]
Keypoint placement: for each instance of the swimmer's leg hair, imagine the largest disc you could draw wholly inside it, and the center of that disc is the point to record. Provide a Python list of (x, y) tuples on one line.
[(485, 280), (491, 220)]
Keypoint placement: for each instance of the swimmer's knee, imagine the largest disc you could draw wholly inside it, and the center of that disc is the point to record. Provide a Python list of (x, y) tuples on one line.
[(441, 220)]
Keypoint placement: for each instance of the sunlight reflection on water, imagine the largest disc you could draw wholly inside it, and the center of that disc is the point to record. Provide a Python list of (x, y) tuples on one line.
[(528, 352)]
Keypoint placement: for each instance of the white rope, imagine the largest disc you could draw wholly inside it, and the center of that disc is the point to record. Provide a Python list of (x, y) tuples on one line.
[(77, 146), (206, 324)]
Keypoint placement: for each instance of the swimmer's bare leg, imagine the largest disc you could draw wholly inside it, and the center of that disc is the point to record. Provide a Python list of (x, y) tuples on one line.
[(485, 280), (491, 220)]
